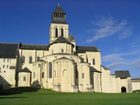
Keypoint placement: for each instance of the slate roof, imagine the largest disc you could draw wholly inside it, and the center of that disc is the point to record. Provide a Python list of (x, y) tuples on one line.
[(8, 50), (122, 74), (94, 70), (83, 49), (135, 79), (105, 67), (61, 39), (25, 70), (34, 47), (59, 9), (58, 19)]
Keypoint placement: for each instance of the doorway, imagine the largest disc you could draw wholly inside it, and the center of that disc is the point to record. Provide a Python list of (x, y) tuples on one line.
[(1, 86), (123, 89)]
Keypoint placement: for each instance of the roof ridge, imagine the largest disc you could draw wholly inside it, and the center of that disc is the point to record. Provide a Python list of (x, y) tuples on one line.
[(8, 43), (61, 39)]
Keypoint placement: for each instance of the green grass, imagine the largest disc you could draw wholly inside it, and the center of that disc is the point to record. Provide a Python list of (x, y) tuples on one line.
[(46, 97)]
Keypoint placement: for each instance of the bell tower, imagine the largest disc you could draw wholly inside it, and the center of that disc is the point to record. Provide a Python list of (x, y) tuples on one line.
[(59, 26)]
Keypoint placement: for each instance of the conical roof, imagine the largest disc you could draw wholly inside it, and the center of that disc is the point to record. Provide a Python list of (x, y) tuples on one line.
[(59, 9)]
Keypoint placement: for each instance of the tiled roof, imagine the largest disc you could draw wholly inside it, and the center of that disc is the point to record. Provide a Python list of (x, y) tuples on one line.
[(8, 50), (122, 74), (86, 48)]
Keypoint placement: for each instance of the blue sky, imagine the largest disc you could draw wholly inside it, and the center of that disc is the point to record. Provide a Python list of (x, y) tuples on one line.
[(111, 25)]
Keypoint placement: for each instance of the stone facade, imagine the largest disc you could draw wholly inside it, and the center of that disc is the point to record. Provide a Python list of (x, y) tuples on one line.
[(61, 65)]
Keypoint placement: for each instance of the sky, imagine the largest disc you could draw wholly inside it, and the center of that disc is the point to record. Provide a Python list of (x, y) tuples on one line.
[(113, 26)]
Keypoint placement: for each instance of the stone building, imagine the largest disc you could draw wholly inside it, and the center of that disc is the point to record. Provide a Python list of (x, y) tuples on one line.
[(61, 65)]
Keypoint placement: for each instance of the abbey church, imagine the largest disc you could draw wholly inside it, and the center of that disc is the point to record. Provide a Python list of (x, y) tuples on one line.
[(61, 65)]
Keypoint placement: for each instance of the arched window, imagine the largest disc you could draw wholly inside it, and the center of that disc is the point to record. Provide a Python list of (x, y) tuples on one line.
[(62, 50), (93, 61), (62, 32), (56, 32), (50, 70), (30, 59), (42, 74), (83, 76), (24, 78), (23, 59)]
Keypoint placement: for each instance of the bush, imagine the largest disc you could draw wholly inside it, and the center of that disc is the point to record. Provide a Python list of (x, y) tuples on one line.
[(18, 90)]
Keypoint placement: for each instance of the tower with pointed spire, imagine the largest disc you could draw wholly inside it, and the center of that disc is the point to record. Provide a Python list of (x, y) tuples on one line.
[(59, 26), (59, 16)]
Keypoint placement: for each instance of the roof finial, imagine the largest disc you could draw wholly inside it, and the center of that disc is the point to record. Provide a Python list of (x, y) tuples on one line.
[(58, 4)]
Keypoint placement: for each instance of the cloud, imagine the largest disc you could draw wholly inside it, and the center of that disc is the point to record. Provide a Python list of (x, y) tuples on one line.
[(119, 60), (106, 27)]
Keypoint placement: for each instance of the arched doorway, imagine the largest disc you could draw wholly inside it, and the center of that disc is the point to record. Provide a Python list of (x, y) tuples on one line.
[(1, 86), (123, 89)]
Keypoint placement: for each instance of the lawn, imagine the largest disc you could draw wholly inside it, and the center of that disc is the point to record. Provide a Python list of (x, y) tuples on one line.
[(44, 97)]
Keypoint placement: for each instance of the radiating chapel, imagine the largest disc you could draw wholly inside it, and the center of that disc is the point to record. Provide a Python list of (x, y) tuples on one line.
[(61, 65)]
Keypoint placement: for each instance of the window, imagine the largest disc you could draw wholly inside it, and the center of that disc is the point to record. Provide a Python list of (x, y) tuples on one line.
[(56, 32), (23, 59), (38, 58), (82, 75), (93, 61), (30, 59), (4, 60), (62, 50), (3, 66), (62, 32), (50, 70), (24, 78), (7, 66), (39, 65), (42, 74)]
